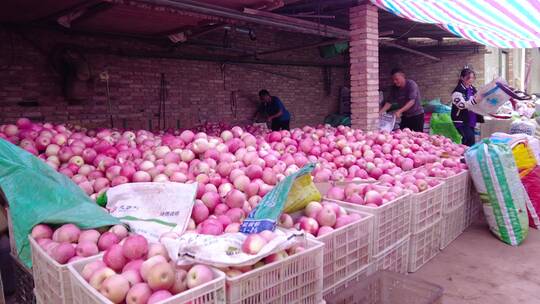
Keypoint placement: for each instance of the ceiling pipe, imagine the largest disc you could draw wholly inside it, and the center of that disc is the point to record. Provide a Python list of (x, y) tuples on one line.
[(218, 11)]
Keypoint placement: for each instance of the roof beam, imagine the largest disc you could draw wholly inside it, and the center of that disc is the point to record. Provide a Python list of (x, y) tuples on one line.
[(407, 49), (266, 19), (92, 12), (78, 6)]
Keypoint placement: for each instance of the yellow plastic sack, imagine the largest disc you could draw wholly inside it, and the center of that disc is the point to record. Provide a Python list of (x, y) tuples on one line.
[(303, 191), (524, 156)]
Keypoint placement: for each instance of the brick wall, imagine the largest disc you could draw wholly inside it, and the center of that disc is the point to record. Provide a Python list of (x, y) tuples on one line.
[(364, 69), (435, 79), (197, 90)]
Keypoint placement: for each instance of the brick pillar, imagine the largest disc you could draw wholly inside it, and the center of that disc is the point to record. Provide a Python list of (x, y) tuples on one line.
[(364, 66)]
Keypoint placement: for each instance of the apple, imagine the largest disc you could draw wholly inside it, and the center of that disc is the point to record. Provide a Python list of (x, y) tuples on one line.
[(115, 288), (198, 275), (286, 221), (133, 276), (133, 265), (309, 225), (120, 231), (86, 249), (100, 276), (148, 264), (161, 276), (259, 264), (63, 252), (90, 268), (41, 231), (180, 282), (114, 258), (159, 296), (233, 273), (326, 216), (138, 294), (135, 247), (106, 240), (232, 228), (274, 257), (267, 235), (312, 209), (67, 233), (253, 244), (90, 235), (324, 230)]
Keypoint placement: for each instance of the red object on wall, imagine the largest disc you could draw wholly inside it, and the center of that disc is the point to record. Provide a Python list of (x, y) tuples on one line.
[(531, 182)]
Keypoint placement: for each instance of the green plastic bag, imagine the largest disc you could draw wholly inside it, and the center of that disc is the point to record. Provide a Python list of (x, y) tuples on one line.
[(442, 124), (38, 194)]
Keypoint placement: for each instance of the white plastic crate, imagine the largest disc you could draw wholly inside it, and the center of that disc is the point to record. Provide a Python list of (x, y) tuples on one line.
[(346, 249), (456, 190), (426, 207), (295, 279), (453, 225), (391, 222), (394, 259), (473, 206), (424, 245), (51, 279), (39, 299), (343, 284), (12, 244), (212, 292)]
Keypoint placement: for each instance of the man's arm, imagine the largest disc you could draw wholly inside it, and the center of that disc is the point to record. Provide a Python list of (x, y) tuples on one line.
[(385, 108), (278, 114), (407, 106)]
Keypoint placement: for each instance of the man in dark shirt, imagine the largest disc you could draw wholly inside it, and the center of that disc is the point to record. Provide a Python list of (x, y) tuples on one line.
[(406, 96), (277, 115)]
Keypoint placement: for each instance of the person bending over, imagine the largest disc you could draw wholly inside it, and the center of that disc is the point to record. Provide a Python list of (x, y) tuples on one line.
[(406, 96), (276, 113)]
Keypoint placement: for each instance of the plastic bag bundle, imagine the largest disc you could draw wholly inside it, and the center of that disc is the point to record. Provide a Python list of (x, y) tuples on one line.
[(523, 126), (495, 175), (531, 182), (387, 122), (442, 124)]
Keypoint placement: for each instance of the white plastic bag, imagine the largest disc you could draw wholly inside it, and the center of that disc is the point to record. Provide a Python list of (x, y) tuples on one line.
[(387, 122), (151, 209), (224, 250), (490, 98)]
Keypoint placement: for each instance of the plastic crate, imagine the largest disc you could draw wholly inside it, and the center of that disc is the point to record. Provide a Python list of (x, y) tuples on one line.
[(295, 279), (39, 299), (2, 300), (393, 259), (426, 207), (456, 190), (24, 292), (345, 283), (424, 245), (391, 222), (51, 278), (389, 288), (12, 244), (473, 206), (212, 292), (346, 249), (453, 225)]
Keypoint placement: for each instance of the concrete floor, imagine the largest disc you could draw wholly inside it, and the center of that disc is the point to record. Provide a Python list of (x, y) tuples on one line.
[(477, 268)]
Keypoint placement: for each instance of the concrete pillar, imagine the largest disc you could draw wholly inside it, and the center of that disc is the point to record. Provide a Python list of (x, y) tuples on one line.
[(364, 66)]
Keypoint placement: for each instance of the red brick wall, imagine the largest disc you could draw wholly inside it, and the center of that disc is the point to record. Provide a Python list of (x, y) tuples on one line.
[(196, 89), (435, 79), (364, 59)]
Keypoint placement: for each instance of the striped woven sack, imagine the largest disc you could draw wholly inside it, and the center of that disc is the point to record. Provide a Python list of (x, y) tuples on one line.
[(503, 196)]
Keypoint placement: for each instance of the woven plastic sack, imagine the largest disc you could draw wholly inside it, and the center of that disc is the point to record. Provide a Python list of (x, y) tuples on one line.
[(293, 193), (38, 194), (503, 196), (442, 124), (531, 182)]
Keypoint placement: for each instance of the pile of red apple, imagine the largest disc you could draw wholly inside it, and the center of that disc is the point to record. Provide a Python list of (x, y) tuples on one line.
[(137, 272), (319, 219), (68, 243)]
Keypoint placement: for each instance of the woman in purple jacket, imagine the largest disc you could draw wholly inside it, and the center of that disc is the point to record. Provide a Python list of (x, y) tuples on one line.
[(463, 97)]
